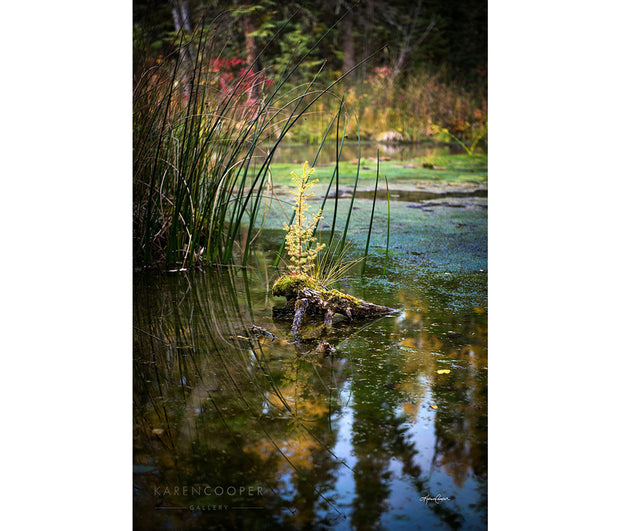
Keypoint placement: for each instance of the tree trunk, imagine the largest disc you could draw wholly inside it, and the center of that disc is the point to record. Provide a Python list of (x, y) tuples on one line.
[(250, 56), (368, 24), (348, 46), (407, 35), (182, 23), (180, 15)]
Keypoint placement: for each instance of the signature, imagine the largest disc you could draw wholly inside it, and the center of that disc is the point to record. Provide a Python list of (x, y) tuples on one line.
[(435, 499)]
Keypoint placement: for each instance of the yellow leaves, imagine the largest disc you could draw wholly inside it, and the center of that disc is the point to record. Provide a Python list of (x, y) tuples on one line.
[(299, 235), (443, 371), (433, 406), (435, 129), (303, 183)]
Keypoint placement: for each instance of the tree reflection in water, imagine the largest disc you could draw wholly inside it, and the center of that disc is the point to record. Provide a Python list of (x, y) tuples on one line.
[(264, 420)]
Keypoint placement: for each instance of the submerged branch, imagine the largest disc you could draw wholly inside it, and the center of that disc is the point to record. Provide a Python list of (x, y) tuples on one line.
[(300, 309)]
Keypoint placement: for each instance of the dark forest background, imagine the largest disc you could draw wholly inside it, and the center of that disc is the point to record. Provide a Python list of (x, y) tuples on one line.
[(450, 37)]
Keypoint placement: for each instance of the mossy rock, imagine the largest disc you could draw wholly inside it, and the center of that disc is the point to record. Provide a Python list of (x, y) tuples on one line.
[(391, 137)]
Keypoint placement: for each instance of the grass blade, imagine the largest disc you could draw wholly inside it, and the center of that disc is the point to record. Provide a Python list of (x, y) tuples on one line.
[(387, 239), (372, 215), (357, 176)]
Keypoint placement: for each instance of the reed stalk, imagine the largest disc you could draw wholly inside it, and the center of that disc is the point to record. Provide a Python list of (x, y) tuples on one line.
[(372, 215), (387, 239), (200, 177)]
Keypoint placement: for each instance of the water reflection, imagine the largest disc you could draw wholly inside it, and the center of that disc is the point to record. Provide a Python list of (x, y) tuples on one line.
[(234, 430)]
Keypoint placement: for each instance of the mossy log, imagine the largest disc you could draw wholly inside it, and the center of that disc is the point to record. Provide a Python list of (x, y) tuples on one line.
[(305, 296)]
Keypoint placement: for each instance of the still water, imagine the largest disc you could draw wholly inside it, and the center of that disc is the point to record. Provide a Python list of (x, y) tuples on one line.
[(236, 430), (350, 151)]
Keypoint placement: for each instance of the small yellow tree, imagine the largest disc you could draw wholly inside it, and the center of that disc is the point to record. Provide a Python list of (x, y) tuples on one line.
[(299, 237)]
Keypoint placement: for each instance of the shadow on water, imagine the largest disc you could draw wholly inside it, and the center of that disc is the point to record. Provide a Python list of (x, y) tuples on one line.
[(234, 430)]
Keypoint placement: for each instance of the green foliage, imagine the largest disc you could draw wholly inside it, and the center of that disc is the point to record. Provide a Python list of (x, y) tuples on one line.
[(456, 41), (302, 41)]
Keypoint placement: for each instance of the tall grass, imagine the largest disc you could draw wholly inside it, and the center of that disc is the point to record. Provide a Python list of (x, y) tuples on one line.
[(202, 150)]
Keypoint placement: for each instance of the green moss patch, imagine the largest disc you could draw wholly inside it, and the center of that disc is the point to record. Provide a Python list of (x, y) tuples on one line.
[(440, 169), (288, 285), (334, 293)]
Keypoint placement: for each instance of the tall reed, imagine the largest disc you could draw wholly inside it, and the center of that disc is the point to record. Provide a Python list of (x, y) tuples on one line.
[(372, 215), (200, 166)]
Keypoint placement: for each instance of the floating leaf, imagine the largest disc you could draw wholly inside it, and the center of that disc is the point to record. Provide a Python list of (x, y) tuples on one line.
[(433, 406), (443, 371)]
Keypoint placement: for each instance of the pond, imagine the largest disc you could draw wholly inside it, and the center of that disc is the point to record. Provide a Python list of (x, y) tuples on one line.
[(298, 153), (237, 430)]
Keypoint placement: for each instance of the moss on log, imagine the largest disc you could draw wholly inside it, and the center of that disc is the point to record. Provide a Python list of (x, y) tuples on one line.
[(305, 296), (288, 285)]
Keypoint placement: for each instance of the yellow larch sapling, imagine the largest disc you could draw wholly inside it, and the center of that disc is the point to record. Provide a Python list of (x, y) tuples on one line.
[(300, 240)]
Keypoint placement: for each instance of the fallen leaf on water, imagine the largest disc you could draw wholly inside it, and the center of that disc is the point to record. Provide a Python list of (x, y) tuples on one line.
[(433, 406), (443, 371)]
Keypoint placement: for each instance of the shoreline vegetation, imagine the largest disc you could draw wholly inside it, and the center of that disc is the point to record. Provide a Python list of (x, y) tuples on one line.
[(208, 120)]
